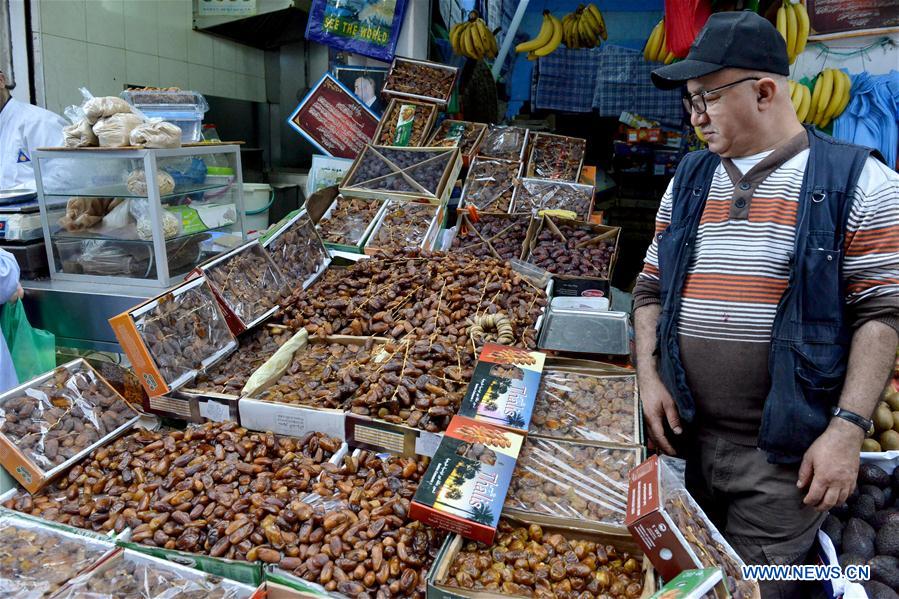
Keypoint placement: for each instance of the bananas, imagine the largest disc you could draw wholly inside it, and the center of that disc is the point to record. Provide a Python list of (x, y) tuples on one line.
[(655, 49), (793, 25), (473, 39), (584, 28), (547, 40), (828, 100)]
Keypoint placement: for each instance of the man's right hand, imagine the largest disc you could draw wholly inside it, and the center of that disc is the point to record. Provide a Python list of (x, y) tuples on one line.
[(19, 294), (658, 406)]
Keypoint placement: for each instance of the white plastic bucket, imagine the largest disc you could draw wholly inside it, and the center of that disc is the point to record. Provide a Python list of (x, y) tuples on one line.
[(257, 199)]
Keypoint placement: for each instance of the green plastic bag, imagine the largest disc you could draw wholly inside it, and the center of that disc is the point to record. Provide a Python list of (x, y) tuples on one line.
[(33, 351)]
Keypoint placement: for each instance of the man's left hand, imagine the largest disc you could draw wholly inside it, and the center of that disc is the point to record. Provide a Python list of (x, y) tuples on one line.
[(831, 465)]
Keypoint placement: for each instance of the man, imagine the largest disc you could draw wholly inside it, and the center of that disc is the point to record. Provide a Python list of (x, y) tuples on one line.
[(10, 292), (769, 298), (23, 127)]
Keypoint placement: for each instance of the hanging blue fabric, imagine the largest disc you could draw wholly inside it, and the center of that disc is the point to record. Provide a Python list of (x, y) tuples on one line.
[(871, 117)]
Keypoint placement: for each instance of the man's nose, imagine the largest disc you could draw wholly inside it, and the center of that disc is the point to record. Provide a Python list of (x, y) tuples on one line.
[(697, 119)]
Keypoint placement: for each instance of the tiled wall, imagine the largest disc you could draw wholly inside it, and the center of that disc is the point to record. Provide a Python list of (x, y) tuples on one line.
[(106, 44)]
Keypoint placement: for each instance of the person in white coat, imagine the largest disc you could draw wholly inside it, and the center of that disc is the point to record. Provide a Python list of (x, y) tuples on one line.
[(10, 291), (23, 127)]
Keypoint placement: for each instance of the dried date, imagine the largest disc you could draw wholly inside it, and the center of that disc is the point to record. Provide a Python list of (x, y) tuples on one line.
[(230, 375), (127, 579), (576, 250), (422, 79), (298, 252), (463, 134), (404, 226), (347, 220), (556, 157), (248, 283)]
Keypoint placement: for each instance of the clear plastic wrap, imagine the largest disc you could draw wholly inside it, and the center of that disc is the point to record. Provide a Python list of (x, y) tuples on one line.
[(182, 331), (231, 374), (79, 134), (404, 225), (533, 195), (36, 560), (405, 123), (504, 142), (115, 131), (347, 220), (490, 184), (156, 134), (57, 415), (556, 157), (461, 134), (248, 282), (134, 576), (166, 97), (137, 182), (298, 251), (140, 210), (571, 480), (585, 406)]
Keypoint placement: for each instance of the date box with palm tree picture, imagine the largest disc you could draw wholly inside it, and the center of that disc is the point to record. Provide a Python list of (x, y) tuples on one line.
[(503, 387), (465, 485)]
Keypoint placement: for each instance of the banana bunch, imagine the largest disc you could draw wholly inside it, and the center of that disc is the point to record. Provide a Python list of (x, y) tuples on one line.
[(473, 39), (793, 25), (655, 49), (801, 98), (584, 28), (547, 40), (829, 97)]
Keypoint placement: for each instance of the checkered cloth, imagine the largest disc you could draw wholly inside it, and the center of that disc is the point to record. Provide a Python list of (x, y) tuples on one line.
[(610, 79)]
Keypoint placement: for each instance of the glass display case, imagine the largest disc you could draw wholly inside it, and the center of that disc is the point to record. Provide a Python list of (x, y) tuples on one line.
[(106, 222)]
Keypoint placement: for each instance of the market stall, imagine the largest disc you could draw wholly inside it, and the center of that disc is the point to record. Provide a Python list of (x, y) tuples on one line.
[(418, 384)]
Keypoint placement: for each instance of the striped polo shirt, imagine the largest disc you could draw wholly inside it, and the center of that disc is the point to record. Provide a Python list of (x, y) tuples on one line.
[(740, 269)]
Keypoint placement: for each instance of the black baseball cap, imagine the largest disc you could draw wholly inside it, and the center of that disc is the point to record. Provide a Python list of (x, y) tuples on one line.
[(739, 39)]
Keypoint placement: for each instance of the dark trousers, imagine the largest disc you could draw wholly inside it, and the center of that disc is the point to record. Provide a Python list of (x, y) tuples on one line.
[(756, 506)]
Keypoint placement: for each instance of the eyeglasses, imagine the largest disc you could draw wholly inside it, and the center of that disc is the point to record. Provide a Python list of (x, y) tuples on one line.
[(697, 102)]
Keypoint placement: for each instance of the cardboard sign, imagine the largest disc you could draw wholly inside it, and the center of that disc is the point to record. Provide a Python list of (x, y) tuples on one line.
[(333, 119)]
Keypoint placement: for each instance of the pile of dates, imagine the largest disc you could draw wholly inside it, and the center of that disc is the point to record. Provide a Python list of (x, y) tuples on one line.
[(533, 195), (432, 295), (410, 171), (490, 184), (230, 375), (183, 330), (36, 561), (404, 226), (528, 562), (505, 234), (215, 489), (400, 110), (426, 80), (54, 420), (470, 133), (556, 157), (558, 478), (574, 252), (358, 539), (298, 252), (248, 283), (348, 220), (127, 579), (585, 406)]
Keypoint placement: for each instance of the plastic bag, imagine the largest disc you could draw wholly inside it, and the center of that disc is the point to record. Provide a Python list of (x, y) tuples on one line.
[(86, 213), (504, 142), (137, 182), (490, 184), (171, 224), (115, 131), (156, 134), (110, 258), (119, 217), (534, 195), (105, 107), (33, 351), (374, 28)]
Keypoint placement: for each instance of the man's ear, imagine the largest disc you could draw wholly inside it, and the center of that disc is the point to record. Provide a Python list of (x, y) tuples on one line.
[(766, 90)]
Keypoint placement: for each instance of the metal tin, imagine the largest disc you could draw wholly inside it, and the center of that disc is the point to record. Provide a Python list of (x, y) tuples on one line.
[(585, 331)]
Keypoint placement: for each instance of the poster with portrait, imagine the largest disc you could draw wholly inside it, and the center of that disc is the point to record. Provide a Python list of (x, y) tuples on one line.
[(366, 83)]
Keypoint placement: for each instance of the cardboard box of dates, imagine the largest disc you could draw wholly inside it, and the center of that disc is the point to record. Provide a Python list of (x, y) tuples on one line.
[(405, 123), (385, 173), (495, 234), (465, 135), (673, 530), (247, 284), (556, 157), (530, 557), (420, 80), (535, 195), (52, 421), (170, 338), (404, 225), (346, 223), (504, 142), (572, 250), (37, 558), (126, 574), (490, 184), (503, 385), (298, 250), (583, 481), (465, 485)]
